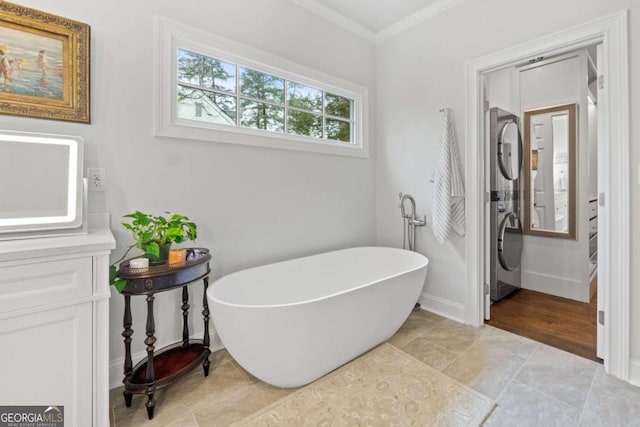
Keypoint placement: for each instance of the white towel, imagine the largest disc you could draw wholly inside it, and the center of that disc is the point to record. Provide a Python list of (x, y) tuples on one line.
[(448, 194)]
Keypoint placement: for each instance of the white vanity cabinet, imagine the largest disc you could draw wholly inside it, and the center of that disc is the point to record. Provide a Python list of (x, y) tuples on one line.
[(54, 328)]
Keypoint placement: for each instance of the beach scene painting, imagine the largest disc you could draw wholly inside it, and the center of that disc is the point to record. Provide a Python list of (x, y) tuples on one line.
[(31, 64), (44, 65)]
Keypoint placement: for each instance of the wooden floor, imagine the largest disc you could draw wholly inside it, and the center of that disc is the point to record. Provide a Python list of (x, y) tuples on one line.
[(559, 322)]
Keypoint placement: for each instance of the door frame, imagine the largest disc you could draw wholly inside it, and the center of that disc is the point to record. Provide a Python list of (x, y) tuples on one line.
[(614, 260)]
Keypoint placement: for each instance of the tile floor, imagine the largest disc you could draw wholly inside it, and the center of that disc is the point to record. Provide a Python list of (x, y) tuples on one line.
[(532, 383)]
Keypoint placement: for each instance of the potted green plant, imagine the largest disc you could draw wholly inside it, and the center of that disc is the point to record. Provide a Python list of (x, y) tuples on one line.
[(154, 235)]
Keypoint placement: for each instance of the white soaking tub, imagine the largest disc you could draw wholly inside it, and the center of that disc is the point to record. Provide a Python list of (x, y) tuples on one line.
[(292, 322)]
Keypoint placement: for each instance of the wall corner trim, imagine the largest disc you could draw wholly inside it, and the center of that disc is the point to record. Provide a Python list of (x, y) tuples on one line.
[(443, 307)]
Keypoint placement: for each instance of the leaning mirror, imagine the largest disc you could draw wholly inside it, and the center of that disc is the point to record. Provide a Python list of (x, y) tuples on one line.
[(550, 172), (41, 188)]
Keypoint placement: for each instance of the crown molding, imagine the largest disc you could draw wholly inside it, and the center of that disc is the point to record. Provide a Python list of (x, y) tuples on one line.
[(337, 18), (314, 6), (415, 19)]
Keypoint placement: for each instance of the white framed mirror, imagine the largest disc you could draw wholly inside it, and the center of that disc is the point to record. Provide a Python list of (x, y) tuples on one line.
[(41, 186), (550, 171)]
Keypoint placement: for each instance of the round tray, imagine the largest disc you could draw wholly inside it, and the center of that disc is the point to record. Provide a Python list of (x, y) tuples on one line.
[(157, 278)]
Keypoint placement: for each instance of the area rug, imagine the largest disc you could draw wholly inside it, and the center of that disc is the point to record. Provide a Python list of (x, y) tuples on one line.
[(385, 387)]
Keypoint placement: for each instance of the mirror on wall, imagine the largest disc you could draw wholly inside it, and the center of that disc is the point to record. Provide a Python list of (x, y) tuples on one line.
[(550, 171)]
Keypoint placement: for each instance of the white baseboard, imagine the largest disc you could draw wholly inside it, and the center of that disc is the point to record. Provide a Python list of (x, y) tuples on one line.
[(558, 286), (116, 366), (634, 372), (442, 307)]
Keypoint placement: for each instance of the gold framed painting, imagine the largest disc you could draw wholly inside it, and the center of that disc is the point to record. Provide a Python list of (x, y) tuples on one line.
[(44, 65)]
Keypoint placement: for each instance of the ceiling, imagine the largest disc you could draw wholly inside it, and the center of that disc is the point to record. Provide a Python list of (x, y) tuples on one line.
[(376, 19), (378, 14)]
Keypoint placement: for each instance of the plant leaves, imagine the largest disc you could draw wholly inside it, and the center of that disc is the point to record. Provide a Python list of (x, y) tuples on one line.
[(139, 218), (120, 284), (113, 273), (153, 249), (151, 232), (115, 280), (176, 217), (174, 232)]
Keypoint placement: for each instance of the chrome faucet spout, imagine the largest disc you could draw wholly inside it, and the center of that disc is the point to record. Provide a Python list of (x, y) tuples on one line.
[(411, 221), (412, 201)]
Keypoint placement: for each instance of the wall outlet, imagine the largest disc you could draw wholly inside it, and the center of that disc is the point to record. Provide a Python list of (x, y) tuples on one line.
[(97, 178)]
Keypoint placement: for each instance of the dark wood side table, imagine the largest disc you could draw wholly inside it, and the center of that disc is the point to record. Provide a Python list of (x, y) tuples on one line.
[(160, 369)]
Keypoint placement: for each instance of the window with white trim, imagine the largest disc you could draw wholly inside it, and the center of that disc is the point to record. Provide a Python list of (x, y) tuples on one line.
[(251, 97), (215, 91)]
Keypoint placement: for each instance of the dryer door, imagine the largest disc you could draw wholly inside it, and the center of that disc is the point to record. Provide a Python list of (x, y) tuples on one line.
[(510, 242), (510, 149)]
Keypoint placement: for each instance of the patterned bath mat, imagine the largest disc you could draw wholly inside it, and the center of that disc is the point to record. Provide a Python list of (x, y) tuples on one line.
[(385, 387)]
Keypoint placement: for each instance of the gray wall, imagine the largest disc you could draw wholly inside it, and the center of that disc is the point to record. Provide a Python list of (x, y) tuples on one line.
[(252, 205), (423, 69)]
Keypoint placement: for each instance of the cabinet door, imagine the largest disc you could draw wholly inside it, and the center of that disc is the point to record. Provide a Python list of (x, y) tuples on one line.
[(46, 360), (37, 283)]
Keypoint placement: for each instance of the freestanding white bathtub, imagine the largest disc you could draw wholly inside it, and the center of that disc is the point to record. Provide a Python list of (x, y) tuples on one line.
[(292, 322)]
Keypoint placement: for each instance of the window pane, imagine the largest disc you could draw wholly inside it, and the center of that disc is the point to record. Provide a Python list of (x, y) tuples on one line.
[(212, 107), (258, 115), (339, 106), (206, 72), (338, 130), (305, 97), (261, 86), (301, 123)]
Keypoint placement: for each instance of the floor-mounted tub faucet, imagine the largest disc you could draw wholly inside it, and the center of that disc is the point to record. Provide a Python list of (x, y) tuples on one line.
[(410, 222)]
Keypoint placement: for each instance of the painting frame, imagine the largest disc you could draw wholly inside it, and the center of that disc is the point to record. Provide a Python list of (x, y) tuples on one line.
[(28, 91)]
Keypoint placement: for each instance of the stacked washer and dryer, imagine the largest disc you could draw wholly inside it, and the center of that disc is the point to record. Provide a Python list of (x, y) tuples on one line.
[(506, 226)]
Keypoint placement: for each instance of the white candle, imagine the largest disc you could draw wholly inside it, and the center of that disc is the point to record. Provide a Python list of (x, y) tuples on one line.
[(139, 263)]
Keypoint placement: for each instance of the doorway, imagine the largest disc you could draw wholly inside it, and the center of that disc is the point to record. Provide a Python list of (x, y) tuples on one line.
[(542, 143), (559, 322), (613, 211)]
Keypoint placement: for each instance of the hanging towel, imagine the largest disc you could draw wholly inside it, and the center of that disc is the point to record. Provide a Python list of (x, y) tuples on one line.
[(448, 194)]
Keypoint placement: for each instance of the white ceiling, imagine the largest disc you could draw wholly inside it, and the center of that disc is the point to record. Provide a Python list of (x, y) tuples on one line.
[(376, 15), (376, 20)]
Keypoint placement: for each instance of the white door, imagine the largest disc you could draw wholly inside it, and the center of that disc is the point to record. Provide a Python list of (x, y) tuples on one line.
[(487, 204), (602, 286)]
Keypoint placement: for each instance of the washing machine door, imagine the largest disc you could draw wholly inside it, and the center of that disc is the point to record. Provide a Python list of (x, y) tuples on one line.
[(510, 242), (510, 149)]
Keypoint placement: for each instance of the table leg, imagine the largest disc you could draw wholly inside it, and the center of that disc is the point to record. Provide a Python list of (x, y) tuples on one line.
[(128, 364), (185, 315), (206, 341), (150, 341)]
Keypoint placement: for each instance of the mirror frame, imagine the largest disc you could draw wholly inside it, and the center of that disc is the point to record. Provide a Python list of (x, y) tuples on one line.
[(74, 219), (573, 125)]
